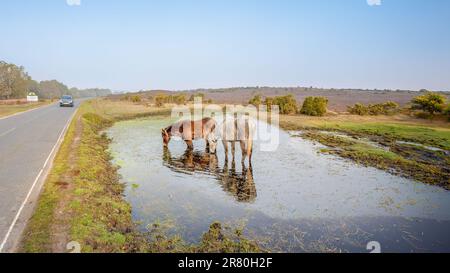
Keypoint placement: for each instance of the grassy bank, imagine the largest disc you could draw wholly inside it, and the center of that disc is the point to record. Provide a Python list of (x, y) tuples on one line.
[(11, 109), (82, 199), (414, 148)]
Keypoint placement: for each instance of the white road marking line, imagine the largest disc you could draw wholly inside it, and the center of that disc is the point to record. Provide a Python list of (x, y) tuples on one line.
[(11, 227), (7, 132)]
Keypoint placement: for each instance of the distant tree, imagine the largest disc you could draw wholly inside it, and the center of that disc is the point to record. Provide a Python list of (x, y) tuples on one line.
[(315, 106), (430, 102), (13, 81), (75, 92), (33, 86), (89, 93), (52, 89)]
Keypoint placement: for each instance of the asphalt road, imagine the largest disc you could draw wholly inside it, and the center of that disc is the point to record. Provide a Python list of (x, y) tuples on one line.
[(27, 143)]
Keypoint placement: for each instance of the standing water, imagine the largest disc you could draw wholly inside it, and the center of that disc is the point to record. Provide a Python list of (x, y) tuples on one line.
[(290, 200)]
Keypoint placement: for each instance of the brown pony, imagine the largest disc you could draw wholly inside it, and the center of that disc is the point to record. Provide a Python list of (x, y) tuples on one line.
[(189, 131)]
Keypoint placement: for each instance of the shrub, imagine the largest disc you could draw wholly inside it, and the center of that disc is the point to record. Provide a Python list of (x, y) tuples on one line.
[(179, 99), (193, 96), (269, 103), (359, 109), (447, 112), (256, 100), (386, 108), (136, 98), (315, 106), (390, 107), (430, 102), (160, 100), (288, 104)]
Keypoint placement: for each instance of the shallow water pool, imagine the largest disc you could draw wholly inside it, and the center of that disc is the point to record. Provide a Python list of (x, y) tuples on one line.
[(293, 199)]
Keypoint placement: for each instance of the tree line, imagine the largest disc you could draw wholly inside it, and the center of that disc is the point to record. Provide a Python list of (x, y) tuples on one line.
[(15, 83)]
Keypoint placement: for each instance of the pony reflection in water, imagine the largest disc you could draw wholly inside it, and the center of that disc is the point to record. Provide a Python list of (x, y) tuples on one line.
[(241, 185)]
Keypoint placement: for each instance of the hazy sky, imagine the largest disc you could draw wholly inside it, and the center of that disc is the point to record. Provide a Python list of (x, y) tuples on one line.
[(131, 45)]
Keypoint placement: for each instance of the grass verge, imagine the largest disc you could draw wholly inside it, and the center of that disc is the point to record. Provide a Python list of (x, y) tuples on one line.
[(11, 109)]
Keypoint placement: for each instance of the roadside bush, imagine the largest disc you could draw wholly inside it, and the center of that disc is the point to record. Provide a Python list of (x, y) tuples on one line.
[(432, 103), (315, 106)]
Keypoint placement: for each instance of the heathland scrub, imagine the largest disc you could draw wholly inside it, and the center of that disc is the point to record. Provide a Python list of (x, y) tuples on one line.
[(414, 148), (82, 199)]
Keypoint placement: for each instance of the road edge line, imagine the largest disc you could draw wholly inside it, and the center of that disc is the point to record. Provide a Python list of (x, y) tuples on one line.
[(38, 177)]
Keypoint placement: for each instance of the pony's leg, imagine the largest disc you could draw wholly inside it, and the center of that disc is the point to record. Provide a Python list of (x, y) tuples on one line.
[(233, 149), (243, 149), (190, 144), (207, 146), (225, 147)]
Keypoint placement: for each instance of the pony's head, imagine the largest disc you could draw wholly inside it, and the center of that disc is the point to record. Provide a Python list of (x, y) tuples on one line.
[(165, 136)]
